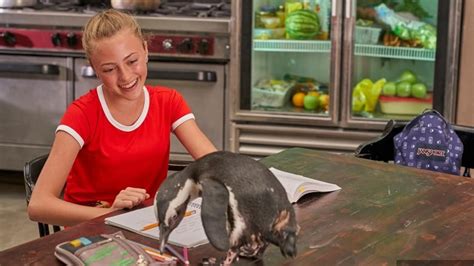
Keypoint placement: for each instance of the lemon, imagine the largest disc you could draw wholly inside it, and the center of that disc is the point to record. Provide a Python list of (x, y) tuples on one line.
[(324, 101), (298, 99)]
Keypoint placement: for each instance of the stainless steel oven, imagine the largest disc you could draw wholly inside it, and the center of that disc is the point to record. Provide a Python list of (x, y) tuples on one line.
[(34, 93), (43, 68)]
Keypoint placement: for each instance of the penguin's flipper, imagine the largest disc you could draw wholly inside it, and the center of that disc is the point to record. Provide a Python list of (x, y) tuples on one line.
[(215, 202)]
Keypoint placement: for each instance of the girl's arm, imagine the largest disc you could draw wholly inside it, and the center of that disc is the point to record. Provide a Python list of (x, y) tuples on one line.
[(46, 204), (193, 139)]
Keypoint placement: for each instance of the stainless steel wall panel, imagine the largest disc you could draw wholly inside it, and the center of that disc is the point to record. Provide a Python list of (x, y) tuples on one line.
[(263, 140)]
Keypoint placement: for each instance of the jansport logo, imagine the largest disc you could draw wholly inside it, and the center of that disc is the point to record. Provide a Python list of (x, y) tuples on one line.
[(431, 152)]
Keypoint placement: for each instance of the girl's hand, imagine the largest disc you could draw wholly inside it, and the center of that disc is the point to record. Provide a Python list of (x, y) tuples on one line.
[(130, 197)]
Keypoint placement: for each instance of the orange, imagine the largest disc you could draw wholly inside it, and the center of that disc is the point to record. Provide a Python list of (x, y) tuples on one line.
[(298, 99)]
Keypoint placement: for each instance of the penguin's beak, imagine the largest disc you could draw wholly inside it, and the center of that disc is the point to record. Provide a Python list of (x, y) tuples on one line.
[(164, 234)]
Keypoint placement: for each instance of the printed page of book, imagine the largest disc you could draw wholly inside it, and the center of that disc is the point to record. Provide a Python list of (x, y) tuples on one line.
[(189, 233), (298, 185)]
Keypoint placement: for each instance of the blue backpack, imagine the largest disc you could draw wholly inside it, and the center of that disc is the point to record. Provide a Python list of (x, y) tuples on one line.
[(429, 142)]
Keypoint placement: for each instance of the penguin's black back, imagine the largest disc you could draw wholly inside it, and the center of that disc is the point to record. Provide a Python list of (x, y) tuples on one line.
[(259, 194)]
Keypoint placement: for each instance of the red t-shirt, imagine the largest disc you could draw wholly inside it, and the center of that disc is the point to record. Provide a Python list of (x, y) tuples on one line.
[(114, 156)]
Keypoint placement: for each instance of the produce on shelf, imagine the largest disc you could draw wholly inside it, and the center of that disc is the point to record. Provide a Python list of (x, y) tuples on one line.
[(292, 5), (403, 89), (302, 24), (407, 85), (390, 39), (308, 93), (298, 99), (408, 76), (269, 23), (419, 90), (389, 89), (271, 93), (365, 95), (324, 101), (269, 34), (311, 101), (407, 29)]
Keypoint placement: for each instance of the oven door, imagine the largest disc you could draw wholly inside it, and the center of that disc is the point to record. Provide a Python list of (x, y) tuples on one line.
[(202, 86), (33, 95)]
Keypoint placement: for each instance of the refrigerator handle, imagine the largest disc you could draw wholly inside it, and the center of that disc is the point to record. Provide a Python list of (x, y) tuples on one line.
[(348, 10), (333, 8)]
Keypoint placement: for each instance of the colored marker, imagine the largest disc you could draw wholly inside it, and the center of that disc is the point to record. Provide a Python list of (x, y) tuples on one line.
[(185, 255), (176, 253)]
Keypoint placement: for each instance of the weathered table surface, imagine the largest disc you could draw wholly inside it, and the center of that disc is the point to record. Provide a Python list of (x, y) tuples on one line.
[(383, 214)]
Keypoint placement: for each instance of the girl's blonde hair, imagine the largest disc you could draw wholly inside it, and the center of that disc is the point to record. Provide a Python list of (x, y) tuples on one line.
[(106, 24)]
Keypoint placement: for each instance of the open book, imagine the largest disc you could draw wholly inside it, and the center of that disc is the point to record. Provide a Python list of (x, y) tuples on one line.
[(189, 233), (297, 186)]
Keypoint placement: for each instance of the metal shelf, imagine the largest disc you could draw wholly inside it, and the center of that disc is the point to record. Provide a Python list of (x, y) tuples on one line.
[(292, 46), (394, 52), (359, 50)]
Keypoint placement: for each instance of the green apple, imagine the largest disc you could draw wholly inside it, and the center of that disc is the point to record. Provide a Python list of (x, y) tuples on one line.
[(389, 89), (310, 102), (408, 76), (418, 90), (403, 89)]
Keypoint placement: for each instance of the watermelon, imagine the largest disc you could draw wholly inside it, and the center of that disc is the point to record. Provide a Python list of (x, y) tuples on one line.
[(302, 24)]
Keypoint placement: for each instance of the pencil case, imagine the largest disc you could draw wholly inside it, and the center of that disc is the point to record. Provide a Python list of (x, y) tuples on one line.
[(113, 249)]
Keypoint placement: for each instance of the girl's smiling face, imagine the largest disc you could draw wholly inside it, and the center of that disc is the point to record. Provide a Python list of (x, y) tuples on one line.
[(120, 62)]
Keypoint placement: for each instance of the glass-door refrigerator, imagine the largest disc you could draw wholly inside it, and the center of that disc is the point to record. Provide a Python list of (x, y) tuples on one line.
[(400, 58), (329, 74)]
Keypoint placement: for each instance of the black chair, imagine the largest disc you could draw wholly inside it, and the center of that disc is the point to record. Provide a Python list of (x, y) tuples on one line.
[(382, 147), (31, 172)]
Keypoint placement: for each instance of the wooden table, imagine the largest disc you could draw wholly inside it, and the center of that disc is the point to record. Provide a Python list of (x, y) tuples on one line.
[(384, 213)]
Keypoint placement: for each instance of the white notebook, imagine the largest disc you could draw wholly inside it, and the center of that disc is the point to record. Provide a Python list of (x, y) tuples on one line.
[(189, 233), (297, 186)]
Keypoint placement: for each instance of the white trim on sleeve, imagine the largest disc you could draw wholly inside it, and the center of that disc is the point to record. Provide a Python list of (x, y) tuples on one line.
[(71, 132), (181, 120)]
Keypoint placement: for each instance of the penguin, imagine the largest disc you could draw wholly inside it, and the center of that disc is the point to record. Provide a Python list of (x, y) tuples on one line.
[(244, 206)]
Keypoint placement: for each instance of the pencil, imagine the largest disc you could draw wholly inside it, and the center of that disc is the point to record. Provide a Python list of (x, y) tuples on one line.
[(149, 226), (154, 252), (153, 225), (176, 253), (185, 255)]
